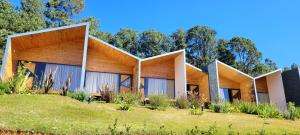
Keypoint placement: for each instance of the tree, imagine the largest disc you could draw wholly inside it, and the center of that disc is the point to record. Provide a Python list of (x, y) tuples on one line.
[(223, 53), (247, 55), (9, 23), (200, 43), (179, 40), (32, 16), (127, 39), (153, 43), (95, 31), (294, 66), (61, 12), (272, 65)]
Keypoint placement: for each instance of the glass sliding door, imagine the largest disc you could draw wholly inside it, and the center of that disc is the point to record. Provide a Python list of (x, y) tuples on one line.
[(263, 97), (154, 86), (96, 81), (230, 95), (60, 74)]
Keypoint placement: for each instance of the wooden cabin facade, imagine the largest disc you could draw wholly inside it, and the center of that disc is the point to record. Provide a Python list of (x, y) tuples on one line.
[(93, 64)]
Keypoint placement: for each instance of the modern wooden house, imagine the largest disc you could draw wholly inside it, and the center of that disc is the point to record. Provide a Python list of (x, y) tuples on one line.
[(93, 64), (270, 89), (229, 84)]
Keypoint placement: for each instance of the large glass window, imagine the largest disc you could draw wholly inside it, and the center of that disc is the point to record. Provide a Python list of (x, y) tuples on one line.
[(97, 81), (154, 86), (39, 71), (263, 97), (230, 95)]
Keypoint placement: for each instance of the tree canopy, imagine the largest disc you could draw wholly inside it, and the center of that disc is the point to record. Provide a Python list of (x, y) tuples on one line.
[(200, 42)]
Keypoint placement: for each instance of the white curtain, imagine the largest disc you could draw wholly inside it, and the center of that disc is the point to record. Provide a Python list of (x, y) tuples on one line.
[(161, 86), (61, 74), (95, 81), (263, 98)]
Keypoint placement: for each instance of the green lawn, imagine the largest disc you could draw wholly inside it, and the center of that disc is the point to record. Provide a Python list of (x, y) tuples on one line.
[(63, 115)]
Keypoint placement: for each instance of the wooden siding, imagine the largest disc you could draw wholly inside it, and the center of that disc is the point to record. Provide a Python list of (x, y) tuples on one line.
[(135, 79), (163, 69), (226, 83), (70, 53), (261, 85), (9, 65), (100, 62)]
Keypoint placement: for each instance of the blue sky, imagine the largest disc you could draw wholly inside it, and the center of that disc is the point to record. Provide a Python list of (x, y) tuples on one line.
[(273, 25)]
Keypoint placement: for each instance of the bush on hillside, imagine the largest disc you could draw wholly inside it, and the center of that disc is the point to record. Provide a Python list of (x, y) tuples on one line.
[(245, 107), (159, 102), (107, 94), (196, 111), (224, 107), (5, 88), (80, 95), (182, 103), (293, 113), (125, 107), (128, 98), (268, 111)]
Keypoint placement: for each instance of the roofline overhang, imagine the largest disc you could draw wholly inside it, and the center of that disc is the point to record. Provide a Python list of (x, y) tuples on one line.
[(163, 55)]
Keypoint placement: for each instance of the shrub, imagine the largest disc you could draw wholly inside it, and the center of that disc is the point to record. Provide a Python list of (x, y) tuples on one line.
[(182, 103), (125, 106), (268, 111), (217, 108), (221, 107), (18, 82), (245, 107), (5, 88), (159, 102), (128, 98), (292, 113), (80, 95), (195, 102), (196, 111), (107, 94)]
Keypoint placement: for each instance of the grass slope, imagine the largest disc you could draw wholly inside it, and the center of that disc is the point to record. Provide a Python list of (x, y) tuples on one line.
[(63, 115)]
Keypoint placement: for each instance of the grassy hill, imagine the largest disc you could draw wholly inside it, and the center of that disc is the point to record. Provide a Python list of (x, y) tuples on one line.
[(63, 115)]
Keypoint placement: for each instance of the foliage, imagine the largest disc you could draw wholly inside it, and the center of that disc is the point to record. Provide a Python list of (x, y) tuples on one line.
[(212, 130), (294, 66), (31, 12), (153, 43), (95, 31), (245, 107), (179, 39), (182, 103), (66, 87), (125, 106), (128, 98), (159, 102), (223, 53), (60, 12), (5, 88), (200, 45), (107, 94), (292, 113), (127, 39), (49, 81), (80, 95), (18, 82), (268, 111), (222, 107), (247, 55), (196, 111)]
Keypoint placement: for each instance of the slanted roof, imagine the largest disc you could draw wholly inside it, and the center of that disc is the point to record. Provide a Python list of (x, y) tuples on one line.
[(267, 74), (49, 36), (112, 51), (161, 58), (231, 73), (193, 72)]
